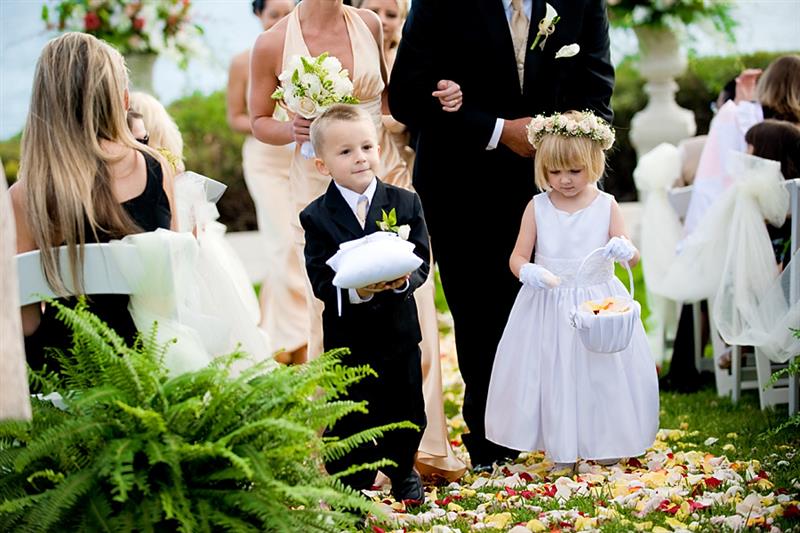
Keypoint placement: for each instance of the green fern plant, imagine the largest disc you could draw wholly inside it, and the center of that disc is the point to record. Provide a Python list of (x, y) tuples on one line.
[(135, 449)]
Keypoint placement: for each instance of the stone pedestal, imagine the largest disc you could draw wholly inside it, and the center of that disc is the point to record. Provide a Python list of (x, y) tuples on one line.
[(662, 120)]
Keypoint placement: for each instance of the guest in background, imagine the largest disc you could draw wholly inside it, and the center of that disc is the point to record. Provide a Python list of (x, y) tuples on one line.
[(284, 314), (776, 95)]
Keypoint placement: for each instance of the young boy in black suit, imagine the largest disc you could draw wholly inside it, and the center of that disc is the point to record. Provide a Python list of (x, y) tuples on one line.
[(378, 323)]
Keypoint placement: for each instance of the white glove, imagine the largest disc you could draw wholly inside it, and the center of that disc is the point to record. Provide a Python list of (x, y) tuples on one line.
[(619, 249), (538, 277)]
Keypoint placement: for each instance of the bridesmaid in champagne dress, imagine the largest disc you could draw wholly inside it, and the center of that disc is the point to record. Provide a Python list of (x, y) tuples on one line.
[(352, 36), (266, 173)]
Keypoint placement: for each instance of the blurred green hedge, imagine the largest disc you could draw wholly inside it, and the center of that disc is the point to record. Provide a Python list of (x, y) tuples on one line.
[(211, 148)]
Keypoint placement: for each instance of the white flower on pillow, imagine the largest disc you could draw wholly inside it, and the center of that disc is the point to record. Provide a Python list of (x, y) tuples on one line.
[(389, 223)]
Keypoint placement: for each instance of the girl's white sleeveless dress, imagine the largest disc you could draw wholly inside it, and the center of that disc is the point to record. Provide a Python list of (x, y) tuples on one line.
[(547, 391)]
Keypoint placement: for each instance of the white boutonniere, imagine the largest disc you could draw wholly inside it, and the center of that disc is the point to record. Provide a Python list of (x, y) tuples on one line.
[(547, 26), (568, 50), (389, 223)]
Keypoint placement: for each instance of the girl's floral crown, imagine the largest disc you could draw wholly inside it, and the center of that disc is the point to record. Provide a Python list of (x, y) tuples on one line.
[(586, 124)]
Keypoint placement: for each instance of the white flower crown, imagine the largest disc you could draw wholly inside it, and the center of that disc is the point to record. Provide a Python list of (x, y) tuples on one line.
[(587, 125)]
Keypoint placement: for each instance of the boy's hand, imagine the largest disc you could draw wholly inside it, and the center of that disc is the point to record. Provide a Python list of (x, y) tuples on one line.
[(369, 290)]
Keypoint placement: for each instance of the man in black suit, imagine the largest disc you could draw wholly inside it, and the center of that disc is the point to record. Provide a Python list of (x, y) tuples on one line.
[(378, 323), (474, 167)]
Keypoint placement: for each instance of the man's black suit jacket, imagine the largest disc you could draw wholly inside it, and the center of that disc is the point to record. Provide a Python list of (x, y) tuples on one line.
[(387, 323), (469, 42)]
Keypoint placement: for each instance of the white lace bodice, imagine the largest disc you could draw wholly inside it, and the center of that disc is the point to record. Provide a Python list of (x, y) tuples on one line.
[(564, 239)]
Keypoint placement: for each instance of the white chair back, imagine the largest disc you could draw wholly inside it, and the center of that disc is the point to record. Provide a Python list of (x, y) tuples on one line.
[(101, 273), (214, 189)]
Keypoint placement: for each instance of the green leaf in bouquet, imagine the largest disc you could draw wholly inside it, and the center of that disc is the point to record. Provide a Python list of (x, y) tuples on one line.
[(277, 94), (393, 217), (307, 67), (296, 77)]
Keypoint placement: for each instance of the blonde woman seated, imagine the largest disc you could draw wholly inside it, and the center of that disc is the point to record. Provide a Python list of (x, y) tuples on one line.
[(83, 178)]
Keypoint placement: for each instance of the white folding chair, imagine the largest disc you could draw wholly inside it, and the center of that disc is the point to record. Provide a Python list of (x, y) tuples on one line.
[(741, 377), (101, 272)]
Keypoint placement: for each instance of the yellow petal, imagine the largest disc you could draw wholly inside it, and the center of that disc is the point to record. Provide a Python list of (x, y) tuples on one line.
[(499, 520), (453, 506), (536, 526)]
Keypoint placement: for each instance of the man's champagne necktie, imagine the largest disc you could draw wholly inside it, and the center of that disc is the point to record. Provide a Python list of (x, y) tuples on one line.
[(519, 24)]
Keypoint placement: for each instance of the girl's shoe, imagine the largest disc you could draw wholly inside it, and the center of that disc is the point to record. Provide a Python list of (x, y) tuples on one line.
[(607, 462)]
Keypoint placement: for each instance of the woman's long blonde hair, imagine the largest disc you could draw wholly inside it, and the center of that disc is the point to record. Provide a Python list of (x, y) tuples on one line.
[(77, 101)]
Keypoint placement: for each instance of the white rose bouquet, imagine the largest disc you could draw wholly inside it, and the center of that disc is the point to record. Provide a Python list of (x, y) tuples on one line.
[(310, 85)]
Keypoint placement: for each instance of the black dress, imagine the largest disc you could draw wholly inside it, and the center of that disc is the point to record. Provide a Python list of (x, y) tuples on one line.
[(150, 211)]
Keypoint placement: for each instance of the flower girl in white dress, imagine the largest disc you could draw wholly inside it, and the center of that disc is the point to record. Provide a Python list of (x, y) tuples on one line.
[(547, 391)]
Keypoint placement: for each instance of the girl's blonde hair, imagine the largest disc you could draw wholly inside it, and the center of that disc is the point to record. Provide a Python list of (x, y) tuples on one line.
[(559, 152), (163, 131), (779, 89), (77, 101)]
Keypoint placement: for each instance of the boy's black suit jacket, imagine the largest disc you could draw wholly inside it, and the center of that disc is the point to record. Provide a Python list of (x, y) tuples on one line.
[(388, 323)]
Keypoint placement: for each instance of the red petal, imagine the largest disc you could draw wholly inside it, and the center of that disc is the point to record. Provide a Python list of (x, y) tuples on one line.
[(712, 482), (526, 476), (791, 511)]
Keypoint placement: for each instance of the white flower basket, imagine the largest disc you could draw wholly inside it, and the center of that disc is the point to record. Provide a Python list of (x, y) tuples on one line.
[(606, 332)]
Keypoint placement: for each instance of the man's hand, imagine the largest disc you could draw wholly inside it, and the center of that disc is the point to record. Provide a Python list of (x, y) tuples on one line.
[(449, 95), (515, 136)]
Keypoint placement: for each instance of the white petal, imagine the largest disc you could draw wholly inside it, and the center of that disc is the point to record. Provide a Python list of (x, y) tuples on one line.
[(568, 50), (550, 13)]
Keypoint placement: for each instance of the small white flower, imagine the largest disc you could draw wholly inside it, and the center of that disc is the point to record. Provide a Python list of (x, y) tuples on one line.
[(332, 65), (312, 82), (568, 50), (404, 231), (547, 26)]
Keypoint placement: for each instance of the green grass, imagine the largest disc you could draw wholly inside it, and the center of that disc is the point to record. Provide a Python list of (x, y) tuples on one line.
[(754, 429)]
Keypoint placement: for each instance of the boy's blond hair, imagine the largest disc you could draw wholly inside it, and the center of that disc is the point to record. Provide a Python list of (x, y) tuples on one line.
[(342, 112), (557, 152)]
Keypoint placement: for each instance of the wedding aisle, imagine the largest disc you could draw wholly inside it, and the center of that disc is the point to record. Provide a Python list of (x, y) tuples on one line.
[(713, 467)]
